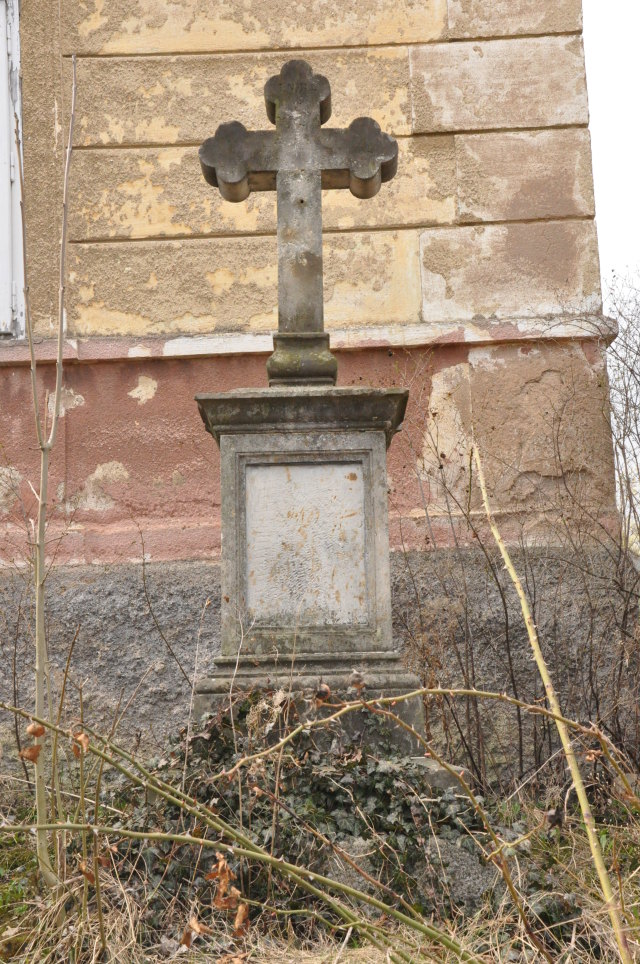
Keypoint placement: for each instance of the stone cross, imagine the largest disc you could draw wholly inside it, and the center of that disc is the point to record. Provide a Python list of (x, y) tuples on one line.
[(298, 160)]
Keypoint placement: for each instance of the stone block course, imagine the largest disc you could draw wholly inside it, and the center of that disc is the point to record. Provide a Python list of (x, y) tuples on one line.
[(163, 26), (202, 286), (498, 18), (524, 175), (498, 84), (151, 192), (182, 99), (139, 178), (510, 271)]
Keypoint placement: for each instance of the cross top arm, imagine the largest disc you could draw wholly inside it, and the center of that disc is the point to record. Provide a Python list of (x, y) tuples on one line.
[(360, 157)]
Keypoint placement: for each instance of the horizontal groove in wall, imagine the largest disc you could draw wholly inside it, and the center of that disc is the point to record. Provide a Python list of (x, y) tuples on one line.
[(329, 232), (159, 145), (441, 41)]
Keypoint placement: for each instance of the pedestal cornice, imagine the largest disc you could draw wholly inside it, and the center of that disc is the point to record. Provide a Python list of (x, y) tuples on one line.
[(303, 408)]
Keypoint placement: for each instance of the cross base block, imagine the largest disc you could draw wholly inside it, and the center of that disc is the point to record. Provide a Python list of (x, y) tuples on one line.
[(379, 675), (302, 358)]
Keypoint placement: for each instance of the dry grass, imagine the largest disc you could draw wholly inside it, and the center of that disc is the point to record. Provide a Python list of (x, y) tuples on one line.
[(567, 909)]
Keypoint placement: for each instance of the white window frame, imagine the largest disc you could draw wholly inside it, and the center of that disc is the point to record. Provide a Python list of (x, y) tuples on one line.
[(12, 317)]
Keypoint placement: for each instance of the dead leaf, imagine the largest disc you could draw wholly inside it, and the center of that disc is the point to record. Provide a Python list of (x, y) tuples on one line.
[(221, 872), (187, 937), (592, 755), (87, 871), (323, 693), (80, 739), (35, 729), (227, 902), (241, 923), (31, 753), (203, 930)]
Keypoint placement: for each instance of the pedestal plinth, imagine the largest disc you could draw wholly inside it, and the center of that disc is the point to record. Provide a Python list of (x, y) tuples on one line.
[(305, 547)]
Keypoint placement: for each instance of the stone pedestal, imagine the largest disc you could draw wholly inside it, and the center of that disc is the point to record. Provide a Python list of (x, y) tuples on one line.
[(305, 548)]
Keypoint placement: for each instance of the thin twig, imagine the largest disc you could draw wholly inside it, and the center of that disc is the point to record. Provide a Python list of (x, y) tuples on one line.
[(576, 776)]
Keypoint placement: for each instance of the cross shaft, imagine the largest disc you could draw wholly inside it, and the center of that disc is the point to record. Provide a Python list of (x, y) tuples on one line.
[(298, 160)]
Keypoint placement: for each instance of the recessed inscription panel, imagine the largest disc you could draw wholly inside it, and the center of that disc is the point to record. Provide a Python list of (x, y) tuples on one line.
[(305, 544)]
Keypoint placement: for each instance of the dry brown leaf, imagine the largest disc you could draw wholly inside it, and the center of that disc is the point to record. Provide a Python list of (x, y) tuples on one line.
[(323, 693), (87, 872), (221, 872), (187, 936), (35, 729), (82, 739), (228, 901), (76, 750), (241, 923), (31, 753), (203, 930)]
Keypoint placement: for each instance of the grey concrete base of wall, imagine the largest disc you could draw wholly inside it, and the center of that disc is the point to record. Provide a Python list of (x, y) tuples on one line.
[(142, 636)]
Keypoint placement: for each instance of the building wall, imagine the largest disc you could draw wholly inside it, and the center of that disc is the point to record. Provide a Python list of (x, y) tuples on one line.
[(472, 278)]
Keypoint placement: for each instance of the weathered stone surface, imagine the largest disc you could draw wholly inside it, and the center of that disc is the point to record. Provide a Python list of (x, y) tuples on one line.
[(305, 552), (305, 548), (162, 26), (226, 284), (533, 82), (118, 645), (549, 444), (448, 606), (133, 464), (539, 416), (178, 100), (501, 18), (524, 175), (464, 875), (297, 161), (307, 408), (159, 192), (510, 271)]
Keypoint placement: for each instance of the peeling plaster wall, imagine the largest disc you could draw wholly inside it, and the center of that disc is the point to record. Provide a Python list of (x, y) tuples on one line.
[(488, 102), (472, 277), (135, 473)]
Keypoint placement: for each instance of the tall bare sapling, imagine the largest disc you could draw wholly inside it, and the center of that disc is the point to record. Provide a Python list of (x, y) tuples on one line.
[(46, 433)]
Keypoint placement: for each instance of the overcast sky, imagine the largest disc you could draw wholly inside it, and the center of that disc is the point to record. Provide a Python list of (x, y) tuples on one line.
[(611, 37)]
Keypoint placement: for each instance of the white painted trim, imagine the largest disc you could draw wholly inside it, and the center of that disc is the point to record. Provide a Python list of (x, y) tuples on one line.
[(11, 266), (490, 332), (392, 336)]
